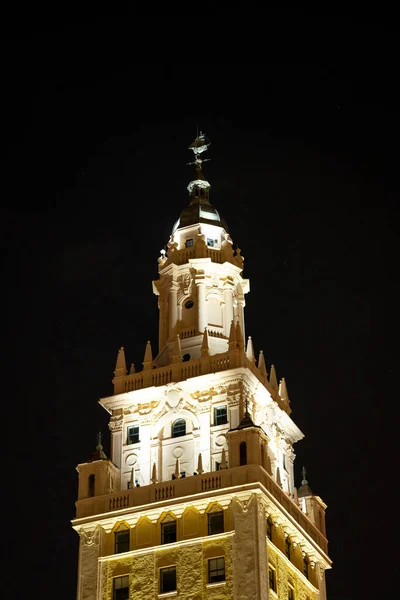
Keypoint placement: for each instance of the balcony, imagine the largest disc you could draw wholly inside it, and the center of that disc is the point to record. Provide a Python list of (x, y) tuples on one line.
[(140, 498)]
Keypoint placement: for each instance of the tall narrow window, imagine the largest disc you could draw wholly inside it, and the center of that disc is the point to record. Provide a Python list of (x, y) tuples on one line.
[(216, 569), (306, 566), (167, 580), (121, 541), (121, 588), (288, 547), (290, 593), (220, 415), (272, 578), (91, 486), (178, 428), (133, 434), (216, 522), (269, 528), (168, 532), (243, 453)]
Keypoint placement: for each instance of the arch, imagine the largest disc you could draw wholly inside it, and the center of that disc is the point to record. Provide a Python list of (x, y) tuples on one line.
[(178, 428), (120, 526), (164, 423)]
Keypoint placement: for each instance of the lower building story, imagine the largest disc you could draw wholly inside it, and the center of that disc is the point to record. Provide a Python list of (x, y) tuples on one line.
[(239, 544)]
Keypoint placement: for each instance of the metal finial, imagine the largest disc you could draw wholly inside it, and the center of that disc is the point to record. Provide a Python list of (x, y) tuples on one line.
[(199, 145), (99, 437), (304, 473)]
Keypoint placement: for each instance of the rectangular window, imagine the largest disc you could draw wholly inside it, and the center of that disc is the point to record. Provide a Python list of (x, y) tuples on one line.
[(269, 529), (216, 569), (216, 522), (189, 243), (220, 415), (210, 242), (168, 532), (133, 434), (167, 580), (272, 578), (121, 541), (287, 547), (290, 594), (121, 588)]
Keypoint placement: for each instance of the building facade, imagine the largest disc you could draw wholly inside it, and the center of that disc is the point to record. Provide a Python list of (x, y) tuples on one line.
[(198, 498)]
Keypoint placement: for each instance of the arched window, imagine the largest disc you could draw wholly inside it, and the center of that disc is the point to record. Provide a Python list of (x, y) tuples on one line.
[(178, 428), (243, 453), (91, 486)]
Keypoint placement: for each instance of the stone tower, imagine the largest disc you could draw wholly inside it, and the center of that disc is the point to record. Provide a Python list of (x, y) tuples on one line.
[(198, 498)]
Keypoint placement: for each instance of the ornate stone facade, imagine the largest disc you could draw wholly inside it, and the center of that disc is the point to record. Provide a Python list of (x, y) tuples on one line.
[(198, 498)]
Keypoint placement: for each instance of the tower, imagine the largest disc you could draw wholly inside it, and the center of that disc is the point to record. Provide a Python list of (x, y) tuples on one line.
[(198, 498)]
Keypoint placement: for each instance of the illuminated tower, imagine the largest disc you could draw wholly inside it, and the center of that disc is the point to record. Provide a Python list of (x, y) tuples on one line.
[(198, 498)]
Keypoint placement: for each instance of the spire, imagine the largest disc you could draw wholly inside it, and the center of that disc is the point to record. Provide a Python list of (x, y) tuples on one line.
[(272, 378), (99, 453), (148, 357), (261, 365), (278, 477), (304, 489), (154, 474), (132, 480), (232, 337), (177, 469), (120, 365), (200, 469), (250, 350), (283, 391), (177, 353), (205, 350), (239, 336)]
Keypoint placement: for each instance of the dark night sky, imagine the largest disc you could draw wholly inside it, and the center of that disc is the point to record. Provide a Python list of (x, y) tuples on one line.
[(303, 168)]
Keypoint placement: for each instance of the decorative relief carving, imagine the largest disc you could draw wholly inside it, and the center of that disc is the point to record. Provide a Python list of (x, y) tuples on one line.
[(90, 536), (115, 424)]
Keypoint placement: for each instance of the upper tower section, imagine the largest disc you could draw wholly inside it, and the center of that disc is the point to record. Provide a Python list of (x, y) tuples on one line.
[(200, 286)]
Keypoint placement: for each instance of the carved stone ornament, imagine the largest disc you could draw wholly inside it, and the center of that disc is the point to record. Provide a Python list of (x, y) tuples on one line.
[(89, 537), (115, 424)]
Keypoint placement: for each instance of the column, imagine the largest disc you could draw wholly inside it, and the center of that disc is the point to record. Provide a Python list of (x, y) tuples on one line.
[(202, 311), (173, 312), (228, 299)]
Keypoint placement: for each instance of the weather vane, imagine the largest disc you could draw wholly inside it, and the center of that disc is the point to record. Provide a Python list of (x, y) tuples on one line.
[(199, 145)]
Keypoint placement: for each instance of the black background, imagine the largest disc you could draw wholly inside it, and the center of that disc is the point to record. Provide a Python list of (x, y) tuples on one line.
[(303, 167)]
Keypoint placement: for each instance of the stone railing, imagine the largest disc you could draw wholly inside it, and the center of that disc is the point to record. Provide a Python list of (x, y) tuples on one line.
[(196, 485), (181, 257), (192, 368)]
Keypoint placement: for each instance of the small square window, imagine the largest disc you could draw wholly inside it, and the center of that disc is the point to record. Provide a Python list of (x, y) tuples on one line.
[(272, 578), (121, 588), (168, 532), (216, 522), (121, 541), (220, 415), (216, 569), (167, 580), (290, 593), (210, 242), (189, 243), (133, 434)]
